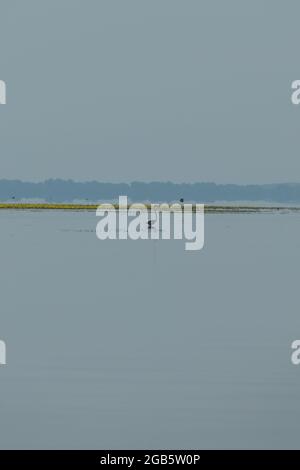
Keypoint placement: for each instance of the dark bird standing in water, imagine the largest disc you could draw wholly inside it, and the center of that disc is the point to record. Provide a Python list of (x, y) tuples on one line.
[(151, 222)]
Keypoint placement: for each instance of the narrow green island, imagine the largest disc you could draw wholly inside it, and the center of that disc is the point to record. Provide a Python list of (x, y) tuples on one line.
[(92, 207)]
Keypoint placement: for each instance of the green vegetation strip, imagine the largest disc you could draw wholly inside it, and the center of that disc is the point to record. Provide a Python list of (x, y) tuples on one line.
[(93, 207)]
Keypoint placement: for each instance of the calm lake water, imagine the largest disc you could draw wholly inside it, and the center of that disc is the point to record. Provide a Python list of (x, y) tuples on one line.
[(140, 344)]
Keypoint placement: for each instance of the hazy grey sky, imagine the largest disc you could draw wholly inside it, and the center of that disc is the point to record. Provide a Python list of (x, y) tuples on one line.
[(122, 90)]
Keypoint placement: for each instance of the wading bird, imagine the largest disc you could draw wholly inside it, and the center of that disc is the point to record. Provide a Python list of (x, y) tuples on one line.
[(151, 222)]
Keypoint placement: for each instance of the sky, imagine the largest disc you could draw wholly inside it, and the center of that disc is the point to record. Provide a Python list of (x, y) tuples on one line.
[(150, 90)]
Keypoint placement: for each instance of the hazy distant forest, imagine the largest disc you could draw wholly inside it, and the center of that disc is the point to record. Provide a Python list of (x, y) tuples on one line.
[(57, 190)]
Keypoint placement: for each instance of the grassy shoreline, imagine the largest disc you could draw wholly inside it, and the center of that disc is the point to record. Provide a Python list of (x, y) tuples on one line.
[(93, 207)]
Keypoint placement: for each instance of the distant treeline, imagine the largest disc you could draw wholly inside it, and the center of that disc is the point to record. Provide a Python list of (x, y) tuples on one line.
[(57, 190)]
